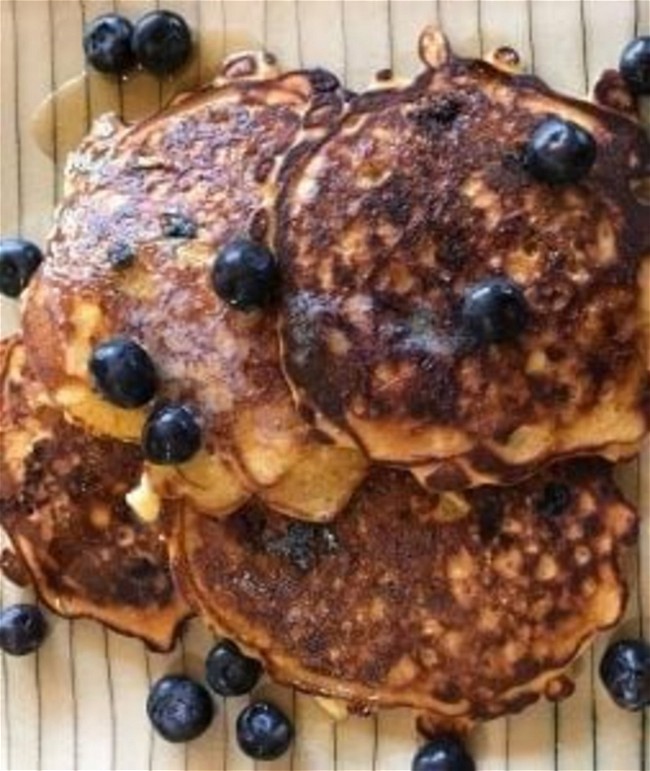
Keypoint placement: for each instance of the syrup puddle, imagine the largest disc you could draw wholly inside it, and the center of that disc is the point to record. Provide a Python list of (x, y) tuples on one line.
[(64, 118)]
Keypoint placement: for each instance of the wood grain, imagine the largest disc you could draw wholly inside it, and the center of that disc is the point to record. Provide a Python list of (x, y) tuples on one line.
[(79, 702)]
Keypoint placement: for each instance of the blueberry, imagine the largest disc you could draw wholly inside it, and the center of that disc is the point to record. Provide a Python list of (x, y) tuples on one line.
[(22, 629), (107, 44), (123, 372), (162, 41), (560, 152), (178, 226), (229, 672), (263, 731), (494, 311), (625, 672), (444, 753), (171, 434), (179, 708), (635, 65), (554, 499), (19, 259), (245, 275), (121, 255)]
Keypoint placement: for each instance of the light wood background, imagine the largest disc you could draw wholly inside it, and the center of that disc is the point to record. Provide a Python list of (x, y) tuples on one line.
[(79, 702)]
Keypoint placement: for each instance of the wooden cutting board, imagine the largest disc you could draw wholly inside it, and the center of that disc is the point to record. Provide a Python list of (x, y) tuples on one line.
[(79, 702)]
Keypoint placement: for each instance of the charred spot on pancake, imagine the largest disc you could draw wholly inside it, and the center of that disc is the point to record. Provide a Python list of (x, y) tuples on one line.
[(263, 169), (143, 579), (437, 393), (302, 544), (322, 80), (432, 115), (453, 249), (490, 515), (326, 107), (259, 225), (447, 476), (512, 159), (554, 499), (550, 393), (306, 318), (178, 225), (392, 200)]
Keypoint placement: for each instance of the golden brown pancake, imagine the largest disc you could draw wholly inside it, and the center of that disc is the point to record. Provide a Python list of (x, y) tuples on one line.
[(173, 190), (62, 506), (421, 192), (465, 606)]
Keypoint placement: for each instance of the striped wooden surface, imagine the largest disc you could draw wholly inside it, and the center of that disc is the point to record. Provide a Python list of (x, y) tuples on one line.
[(79, 702)]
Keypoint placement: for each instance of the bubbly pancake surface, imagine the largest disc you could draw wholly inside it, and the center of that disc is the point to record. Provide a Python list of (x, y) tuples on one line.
[(420, 193), (466, 606), (62, 505), (173, 190)]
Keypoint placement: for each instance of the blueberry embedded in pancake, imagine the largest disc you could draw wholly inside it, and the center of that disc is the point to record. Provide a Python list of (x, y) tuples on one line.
[(425, 194), (62, 505), (464, 606)]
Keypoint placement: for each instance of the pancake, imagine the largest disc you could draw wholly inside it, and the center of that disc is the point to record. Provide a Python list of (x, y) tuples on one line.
[(62, 506), (464, 606), (170, 192), (420, 193), (483, 469)]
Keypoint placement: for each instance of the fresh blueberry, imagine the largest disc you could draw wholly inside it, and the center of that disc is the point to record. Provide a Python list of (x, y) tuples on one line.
[(494, 311), (19, 259), (263, 731), (162, 41), (444, 753), (123, 372), (635, 65), (245, 275), (22, 629), (554, 499), (625, 672), (179, 708), (560, 152), (229, 672), (171, 434), (107, 44)]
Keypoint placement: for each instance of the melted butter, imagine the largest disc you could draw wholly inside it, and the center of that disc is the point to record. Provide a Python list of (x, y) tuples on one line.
[(143, 500), (335, 708), (62, 120)]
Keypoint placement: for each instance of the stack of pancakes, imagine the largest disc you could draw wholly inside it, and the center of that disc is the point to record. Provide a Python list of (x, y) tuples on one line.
[(380, 513)]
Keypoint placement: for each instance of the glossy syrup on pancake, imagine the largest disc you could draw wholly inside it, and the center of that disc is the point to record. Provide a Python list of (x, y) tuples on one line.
[(172, 190), (62, 506), (462, 606), (419, 194)]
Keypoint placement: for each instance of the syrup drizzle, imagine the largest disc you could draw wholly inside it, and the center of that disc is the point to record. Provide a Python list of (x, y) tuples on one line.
[(64, 117)]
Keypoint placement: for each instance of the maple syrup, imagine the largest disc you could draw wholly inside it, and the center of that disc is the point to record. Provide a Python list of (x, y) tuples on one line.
[(63, 119)]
